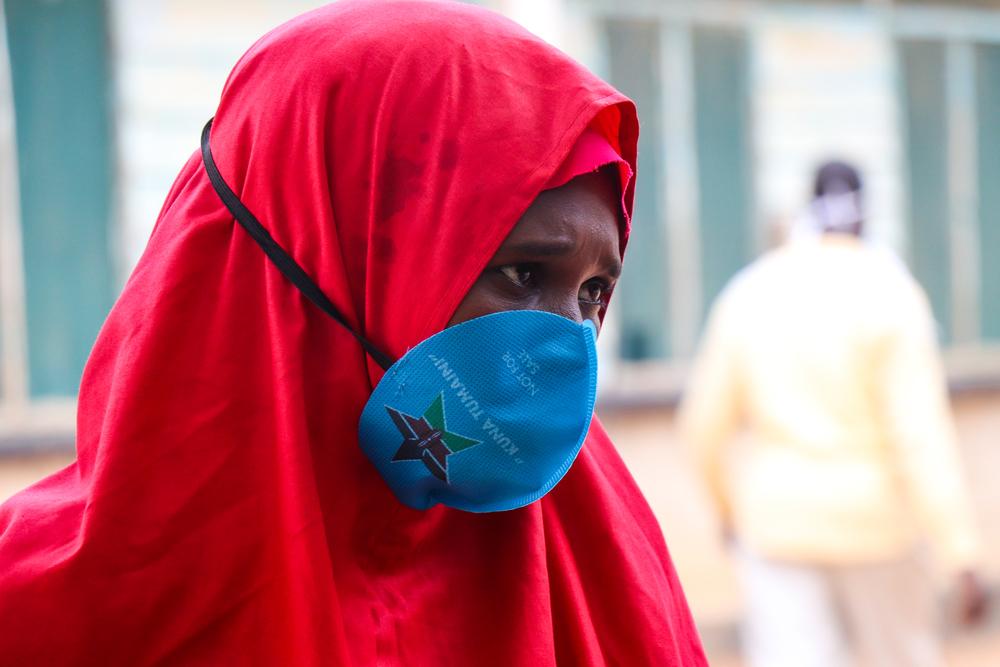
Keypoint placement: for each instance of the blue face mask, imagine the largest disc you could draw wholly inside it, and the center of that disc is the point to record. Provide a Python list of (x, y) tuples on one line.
[(485, 416)]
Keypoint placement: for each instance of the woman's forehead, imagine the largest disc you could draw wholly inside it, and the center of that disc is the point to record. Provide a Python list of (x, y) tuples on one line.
[(559, 221)]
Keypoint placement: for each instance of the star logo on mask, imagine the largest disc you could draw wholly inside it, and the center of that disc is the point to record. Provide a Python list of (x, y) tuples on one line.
[(426, 438)]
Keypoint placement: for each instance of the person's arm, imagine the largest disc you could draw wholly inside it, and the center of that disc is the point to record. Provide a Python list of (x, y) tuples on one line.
[(923, 439), (710, 409)]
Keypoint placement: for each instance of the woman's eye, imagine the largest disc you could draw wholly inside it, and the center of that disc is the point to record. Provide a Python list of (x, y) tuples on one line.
[(595, 292), (521, 275)]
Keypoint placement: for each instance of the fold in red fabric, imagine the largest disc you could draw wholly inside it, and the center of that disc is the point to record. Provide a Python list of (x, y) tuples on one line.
[(591, 152), (220, 511)]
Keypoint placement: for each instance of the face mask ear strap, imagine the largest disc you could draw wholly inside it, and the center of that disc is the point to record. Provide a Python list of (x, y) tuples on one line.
[(275, 252)]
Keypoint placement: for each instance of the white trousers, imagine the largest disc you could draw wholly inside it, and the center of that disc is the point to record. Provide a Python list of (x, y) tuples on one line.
[(873, 615)]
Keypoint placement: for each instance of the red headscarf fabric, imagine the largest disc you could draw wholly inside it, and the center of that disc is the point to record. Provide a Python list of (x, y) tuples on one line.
[(220, 511), (592, 151)]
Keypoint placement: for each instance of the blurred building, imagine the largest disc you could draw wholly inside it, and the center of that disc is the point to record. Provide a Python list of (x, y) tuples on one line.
[(740, 102)]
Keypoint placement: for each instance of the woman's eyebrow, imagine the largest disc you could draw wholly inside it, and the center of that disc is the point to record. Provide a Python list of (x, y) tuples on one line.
[(551, 247)]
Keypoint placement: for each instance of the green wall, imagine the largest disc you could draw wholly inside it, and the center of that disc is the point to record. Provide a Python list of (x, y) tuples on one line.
[(722, 138), (62, 109), (926, 171), (988, 113), (642, 295)]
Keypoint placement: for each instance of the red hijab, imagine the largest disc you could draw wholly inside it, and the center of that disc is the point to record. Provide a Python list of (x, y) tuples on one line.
[(220, 511)]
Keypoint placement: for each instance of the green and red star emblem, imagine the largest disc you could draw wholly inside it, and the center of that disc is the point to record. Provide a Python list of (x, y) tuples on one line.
[(426, 438)]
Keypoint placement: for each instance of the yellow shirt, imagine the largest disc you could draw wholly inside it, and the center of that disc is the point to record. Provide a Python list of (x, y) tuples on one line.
[(824, 350)]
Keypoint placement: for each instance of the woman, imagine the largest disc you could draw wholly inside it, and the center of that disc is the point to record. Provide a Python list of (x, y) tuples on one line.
[(222, 509)]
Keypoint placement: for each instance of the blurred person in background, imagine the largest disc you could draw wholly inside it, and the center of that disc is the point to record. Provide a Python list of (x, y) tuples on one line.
[(824, 350), (456, 188)]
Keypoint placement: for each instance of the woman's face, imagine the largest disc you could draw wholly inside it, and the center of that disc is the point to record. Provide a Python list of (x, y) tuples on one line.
[(561, 257)]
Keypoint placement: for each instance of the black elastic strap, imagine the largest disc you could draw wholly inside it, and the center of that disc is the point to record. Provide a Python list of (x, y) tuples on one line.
[(275, 252)]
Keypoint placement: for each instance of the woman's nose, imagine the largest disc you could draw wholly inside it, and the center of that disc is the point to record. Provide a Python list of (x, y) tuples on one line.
[(565, 305)]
